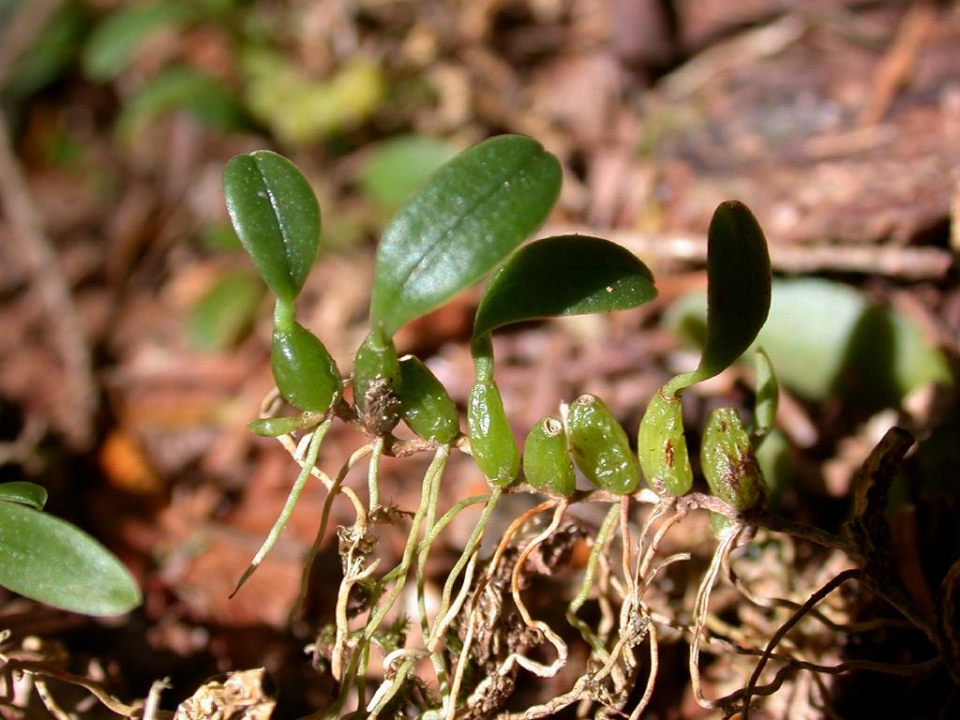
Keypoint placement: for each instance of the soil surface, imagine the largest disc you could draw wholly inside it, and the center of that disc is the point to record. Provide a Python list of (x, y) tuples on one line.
[(127, 397)]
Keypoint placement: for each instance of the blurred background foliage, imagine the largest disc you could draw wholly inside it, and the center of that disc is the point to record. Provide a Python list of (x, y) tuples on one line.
[(128, 397)]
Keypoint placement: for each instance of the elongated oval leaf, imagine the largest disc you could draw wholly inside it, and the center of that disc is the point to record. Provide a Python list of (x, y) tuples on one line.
[(767, 397), (117, 40), (223, 314), (207, 99), (564, 275), (400, 166), (471, 214), (738, 291), (48, 559), (276, 216), (25, 493)]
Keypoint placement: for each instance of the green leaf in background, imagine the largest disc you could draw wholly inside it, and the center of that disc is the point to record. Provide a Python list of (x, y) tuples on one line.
[(25, 493), (738, 289), (767, 398), (471, 214), (225, 312), (220, 237), (299, 109), (115, 42), (564, 275), (207, 99), (49, 54), (826, 339), (399, 167), (276, 215), (47, 559)]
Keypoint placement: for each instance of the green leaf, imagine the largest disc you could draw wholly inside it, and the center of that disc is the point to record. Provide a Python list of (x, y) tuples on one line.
[(49, 54), (25, 493), (829, 340), (564, 275), (738, 300), (207, 99), (277, 217), (471, 214), (118, 39), (399, 167), (738, 290), (47, 559), (225, 312), (767, 397), (302, 110)]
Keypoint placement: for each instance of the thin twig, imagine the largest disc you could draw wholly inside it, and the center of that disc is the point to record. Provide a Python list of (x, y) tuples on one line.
[(909, 263), (80, 404)]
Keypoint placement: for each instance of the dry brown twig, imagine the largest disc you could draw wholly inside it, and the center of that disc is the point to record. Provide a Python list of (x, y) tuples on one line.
[(38, 253), (906, 262)]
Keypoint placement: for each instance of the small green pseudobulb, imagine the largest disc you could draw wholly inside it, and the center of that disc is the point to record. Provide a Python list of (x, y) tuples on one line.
[(306, 374), (546, 461), (427, 408), (376, 383), (729, 465), (662, 446), (600, 446), (491, 438)]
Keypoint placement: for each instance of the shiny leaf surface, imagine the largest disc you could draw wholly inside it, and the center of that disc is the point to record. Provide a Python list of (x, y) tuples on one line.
[(470, 215), (564, 275), (276, 216)]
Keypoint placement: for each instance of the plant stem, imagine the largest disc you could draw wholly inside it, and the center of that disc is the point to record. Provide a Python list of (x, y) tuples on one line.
[(373, 473)]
